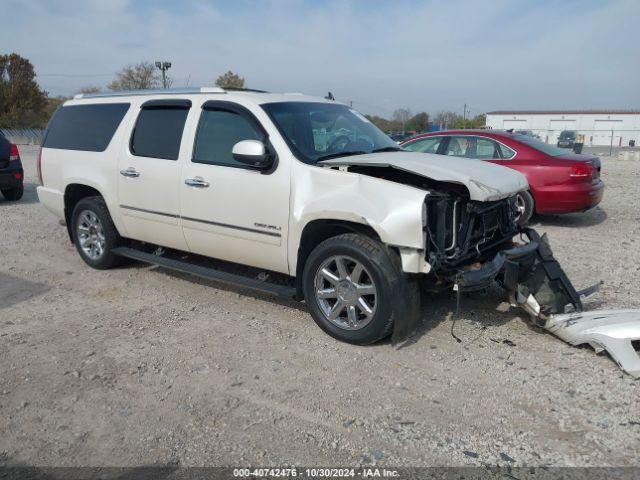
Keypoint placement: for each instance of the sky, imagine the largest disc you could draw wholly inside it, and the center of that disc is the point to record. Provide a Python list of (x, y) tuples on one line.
[(380, 55)]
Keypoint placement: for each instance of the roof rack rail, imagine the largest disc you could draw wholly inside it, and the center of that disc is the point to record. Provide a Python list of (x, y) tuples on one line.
[(152, 91), (242, 89)]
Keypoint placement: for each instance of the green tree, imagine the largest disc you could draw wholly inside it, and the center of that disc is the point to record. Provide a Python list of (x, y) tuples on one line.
[(402, 116), (136, 77), (478, 121), (22, 102), (52, 105), (446, 120), (230, 80), (418, 123), (382, 123)]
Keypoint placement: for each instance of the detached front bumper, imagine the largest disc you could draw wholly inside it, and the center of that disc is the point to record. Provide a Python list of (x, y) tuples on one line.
[(535, 281), (616, 331), (527, 270)]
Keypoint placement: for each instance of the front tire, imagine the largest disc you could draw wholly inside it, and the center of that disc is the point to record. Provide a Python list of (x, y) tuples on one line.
[(94, 234), (353, 286), (13, 194), (526, 207)]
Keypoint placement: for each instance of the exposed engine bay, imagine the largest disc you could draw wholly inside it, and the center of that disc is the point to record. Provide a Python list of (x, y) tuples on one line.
[(459, 230)]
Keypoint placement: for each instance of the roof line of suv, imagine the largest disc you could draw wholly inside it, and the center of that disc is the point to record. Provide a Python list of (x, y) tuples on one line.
[(165, 91)]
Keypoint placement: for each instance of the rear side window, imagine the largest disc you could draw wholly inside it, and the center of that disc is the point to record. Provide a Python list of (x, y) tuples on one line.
[(85, 127), (506, 152), (158, 132)]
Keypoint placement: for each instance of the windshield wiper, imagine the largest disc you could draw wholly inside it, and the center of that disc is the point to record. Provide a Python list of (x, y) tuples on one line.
[(388, 149), (340, 154)]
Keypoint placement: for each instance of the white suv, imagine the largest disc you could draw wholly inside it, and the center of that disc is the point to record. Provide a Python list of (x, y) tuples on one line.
[(294, 185)]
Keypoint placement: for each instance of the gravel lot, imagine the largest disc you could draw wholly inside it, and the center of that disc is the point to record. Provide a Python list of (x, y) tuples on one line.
[(140, 366)]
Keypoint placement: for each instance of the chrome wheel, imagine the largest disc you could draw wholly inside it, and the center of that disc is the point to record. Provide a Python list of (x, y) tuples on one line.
[(90, 234), (345, 292)]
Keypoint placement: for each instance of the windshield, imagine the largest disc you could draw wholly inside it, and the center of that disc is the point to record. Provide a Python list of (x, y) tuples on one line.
[(318, 131), (566, 134), (540, 145)]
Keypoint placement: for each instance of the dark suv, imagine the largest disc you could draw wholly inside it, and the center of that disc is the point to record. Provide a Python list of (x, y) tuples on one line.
[(11, 173), (567, 138)]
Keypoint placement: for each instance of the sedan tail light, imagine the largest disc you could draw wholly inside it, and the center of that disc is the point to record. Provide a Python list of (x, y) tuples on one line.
[(582, 170)]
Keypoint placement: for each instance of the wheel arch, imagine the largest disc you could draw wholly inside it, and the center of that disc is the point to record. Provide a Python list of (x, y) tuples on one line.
[(73, 193), (319, 230)]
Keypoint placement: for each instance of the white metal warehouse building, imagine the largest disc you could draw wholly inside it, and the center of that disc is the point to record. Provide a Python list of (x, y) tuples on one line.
[(599, 127)]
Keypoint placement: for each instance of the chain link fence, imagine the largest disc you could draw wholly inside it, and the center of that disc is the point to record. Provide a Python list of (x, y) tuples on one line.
[(23, 136)]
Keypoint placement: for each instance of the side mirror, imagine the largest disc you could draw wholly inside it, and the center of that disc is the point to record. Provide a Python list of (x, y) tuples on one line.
[(252, 152)]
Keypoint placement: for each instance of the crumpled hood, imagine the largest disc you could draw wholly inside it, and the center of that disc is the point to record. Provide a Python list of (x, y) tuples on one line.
[(485, 181)]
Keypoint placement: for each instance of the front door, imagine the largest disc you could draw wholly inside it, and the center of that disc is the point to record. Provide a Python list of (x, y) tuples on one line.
[(229, 210), (149, 175)]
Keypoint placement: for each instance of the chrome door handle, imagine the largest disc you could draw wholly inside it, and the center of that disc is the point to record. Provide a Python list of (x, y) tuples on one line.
[(197, 182), (130, 172)]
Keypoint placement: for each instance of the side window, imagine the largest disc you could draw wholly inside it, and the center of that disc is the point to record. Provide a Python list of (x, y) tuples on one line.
[(218, 131), (457, 146), (473, 147), (486, 149), (85, 127), (506, 152), (158, 132), (424, 145)]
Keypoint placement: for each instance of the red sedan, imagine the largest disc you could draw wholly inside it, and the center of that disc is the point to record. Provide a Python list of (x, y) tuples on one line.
[(559, 182)]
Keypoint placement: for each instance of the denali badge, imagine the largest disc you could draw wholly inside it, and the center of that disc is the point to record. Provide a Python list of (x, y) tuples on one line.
[(268, 227)]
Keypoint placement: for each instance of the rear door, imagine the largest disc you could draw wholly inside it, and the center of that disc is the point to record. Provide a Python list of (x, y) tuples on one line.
[(149, 174)]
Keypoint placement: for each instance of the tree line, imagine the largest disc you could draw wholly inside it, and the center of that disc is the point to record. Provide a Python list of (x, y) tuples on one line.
[(24, 104)]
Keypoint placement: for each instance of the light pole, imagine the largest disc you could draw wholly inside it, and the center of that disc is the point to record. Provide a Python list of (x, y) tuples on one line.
[(164, 66)]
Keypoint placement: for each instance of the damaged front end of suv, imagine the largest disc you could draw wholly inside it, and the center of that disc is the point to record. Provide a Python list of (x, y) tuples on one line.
[(472, 239), (471, 245)]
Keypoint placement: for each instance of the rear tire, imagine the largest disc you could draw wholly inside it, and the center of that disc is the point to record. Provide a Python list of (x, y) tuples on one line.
[(13, 194), (94, 234), (525, 202), (371, 273)]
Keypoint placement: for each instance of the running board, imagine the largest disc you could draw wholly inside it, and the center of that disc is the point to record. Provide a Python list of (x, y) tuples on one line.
[(207, 272)]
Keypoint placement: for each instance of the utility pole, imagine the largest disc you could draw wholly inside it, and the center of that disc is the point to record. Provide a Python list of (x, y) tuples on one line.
[(611, 146), (164, 66), (464, 116)]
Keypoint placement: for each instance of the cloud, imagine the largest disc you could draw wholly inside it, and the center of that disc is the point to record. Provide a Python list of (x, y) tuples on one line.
[(381, 55)]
